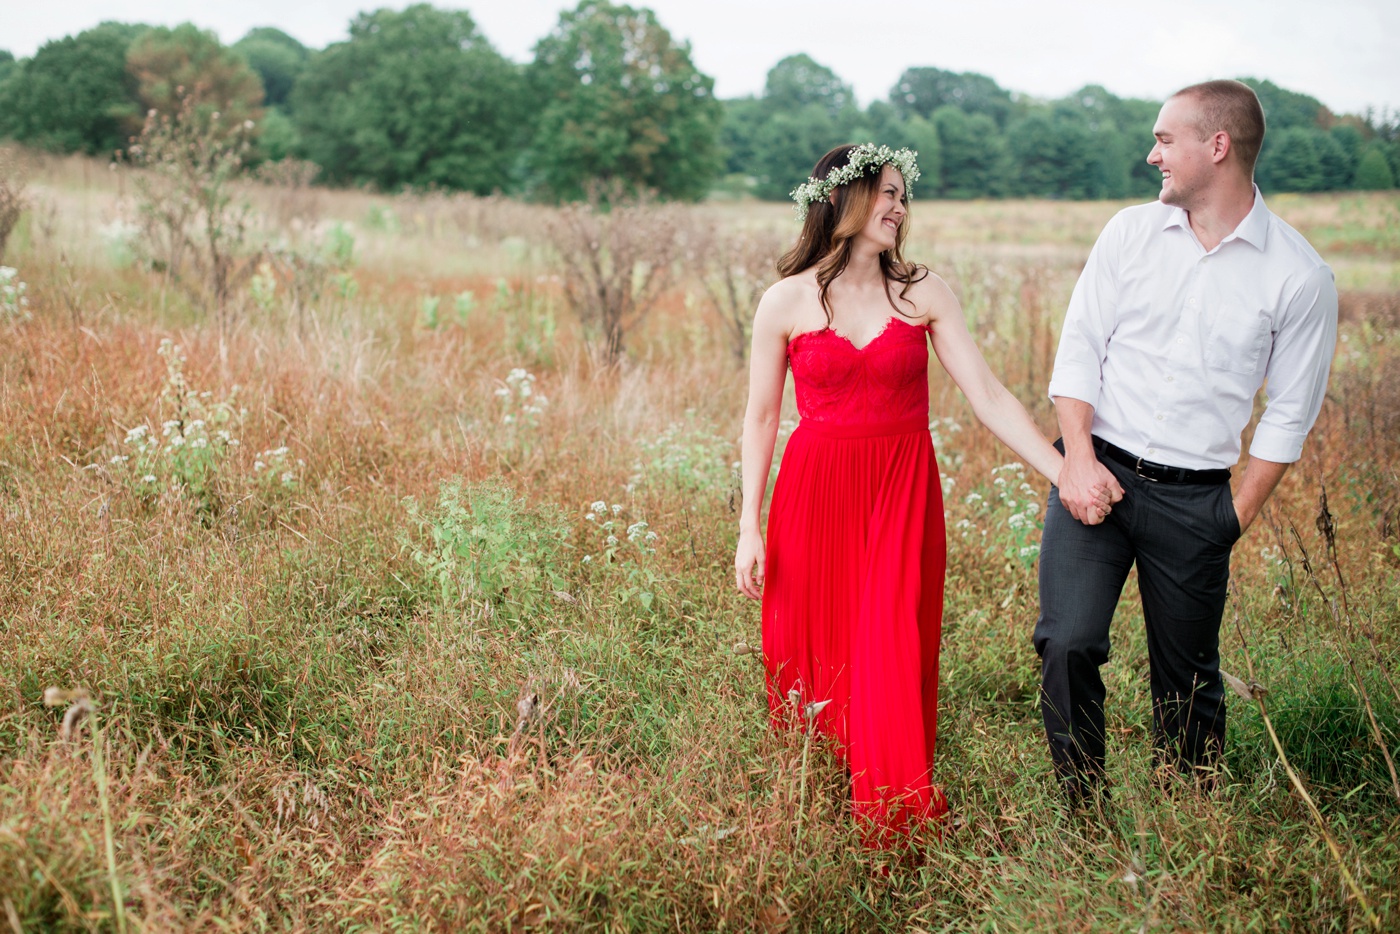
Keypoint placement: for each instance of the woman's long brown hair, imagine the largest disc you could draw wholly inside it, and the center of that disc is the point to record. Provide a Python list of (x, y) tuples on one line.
[(831, 225)]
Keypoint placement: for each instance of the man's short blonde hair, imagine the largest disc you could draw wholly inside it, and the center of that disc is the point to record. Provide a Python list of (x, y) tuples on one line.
[(1231, 106)]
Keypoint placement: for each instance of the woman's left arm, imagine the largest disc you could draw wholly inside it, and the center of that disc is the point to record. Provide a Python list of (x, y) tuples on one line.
[(993, 405)]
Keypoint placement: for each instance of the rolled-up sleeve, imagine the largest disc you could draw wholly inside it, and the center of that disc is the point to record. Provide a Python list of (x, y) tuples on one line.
[(1296, 378), (1078, 372)]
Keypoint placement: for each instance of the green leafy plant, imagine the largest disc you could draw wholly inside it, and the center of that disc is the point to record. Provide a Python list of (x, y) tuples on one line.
[(193, 442), (13, 302), (478, 541), (624, 548), (1005, 517)]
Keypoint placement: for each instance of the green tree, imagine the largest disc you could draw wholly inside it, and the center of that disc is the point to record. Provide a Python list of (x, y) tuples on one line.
[(921, 136), (1352, 138), (621, 102), (743, 119), (883, 125), (797, 81), (924, 90), (1289, 162), (413, 98), (8, 65), (788, 145), (173, 65), (277, 58), (1373, 171), (1285, 109), (1119, 136), (974, 155), (75, 94), (1335, 163), (1054, 155), (277, 139)]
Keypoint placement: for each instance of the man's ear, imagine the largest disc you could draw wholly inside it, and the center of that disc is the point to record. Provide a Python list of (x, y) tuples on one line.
[(1220, 146)]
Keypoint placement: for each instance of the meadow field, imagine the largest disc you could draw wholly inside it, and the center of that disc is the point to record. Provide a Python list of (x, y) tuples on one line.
[(383, 594)]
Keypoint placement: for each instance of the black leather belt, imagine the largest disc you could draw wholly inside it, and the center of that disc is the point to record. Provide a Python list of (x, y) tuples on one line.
[(1160, 473)]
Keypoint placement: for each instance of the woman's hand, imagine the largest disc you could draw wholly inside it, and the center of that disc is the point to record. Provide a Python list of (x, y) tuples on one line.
[(748, 564)]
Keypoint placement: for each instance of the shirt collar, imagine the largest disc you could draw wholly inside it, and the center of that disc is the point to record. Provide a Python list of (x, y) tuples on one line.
[(1254, 229)]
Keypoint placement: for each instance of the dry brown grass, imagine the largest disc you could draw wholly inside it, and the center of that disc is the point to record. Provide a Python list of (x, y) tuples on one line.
[(301, 735)]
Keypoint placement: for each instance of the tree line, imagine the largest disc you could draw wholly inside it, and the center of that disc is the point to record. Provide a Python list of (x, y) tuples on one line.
[(419, 98)]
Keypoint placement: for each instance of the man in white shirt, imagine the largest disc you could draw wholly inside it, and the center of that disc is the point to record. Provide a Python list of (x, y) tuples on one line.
[(1184, 309)]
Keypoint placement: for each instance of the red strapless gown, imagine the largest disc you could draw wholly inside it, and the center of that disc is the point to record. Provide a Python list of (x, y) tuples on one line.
[(853, 602)]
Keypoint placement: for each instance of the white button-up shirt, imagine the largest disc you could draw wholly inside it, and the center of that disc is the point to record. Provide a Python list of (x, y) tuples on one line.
[(1170, 342)]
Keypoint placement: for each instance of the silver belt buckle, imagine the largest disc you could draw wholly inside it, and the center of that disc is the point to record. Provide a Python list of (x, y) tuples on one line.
[(1137, 469)]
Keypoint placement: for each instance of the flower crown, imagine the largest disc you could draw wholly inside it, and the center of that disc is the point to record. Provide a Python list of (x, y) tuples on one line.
[(862, 159)]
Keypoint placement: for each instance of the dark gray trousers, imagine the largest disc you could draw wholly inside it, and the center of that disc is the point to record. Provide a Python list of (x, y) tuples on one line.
[(1180, 536)]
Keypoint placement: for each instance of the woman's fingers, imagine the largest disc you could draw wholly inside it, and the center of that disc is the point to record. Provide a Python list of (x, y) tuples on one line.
[(1105, 494), (749, 582)]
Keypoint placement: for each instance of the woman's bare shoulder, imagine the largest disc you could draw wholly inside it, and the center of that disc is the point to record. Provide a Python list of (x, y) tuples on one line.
[(794, 288), (931, 294), (785, 299)]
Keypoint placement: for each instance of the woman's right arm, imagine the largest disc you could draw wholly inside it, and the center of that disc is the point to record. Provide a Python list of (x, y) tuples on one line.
[(767, 373)]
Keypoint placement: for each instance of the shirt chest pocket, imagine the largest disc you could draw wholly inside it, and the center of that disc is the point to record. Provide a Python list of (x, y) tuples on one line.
[(1237, 342)]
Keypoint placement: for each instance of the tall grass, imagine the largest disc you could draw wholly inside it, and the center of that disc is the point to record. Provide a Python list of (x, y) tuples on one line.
[(432, 682)]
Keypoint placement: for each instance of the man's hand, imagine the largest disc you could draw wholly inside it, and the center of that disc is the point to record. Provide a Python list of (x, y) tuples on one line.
[(1088, 489), (1260, 478)]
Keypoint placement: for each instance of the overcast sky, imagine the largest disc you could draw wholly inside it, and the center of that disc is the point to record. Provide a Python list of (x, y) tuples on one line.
[(1344, 52)]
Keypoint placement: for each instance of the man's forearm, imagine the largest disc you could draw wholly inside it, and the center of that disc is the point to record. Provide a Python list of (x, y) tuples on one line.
[(1076, 419), (1260, 478)]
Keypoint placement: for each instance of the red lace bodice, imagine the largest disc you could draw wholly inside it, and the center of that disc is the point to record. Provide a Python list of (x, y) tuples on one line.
[(841, 384)]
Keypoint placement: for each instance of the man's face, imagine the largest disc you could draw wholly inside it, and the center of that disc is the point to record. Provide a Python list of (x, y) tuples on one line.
[(1184, 159)]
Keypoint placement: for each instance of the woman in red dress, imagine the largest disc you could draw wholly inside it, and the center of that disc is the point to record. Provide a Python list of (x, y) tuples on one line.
[(852, 577)]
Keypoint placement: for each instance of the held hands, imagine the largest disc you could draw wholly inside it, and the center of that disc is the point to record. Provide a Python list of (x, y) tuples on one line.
[(1088, 489), (748, 564)]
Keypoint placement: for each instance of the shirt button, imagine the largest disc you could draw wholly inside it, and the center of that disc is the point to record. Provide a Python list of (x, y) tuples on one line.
[(1171, 379), (1160, 417), (1190, 301), (1181, 340)]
